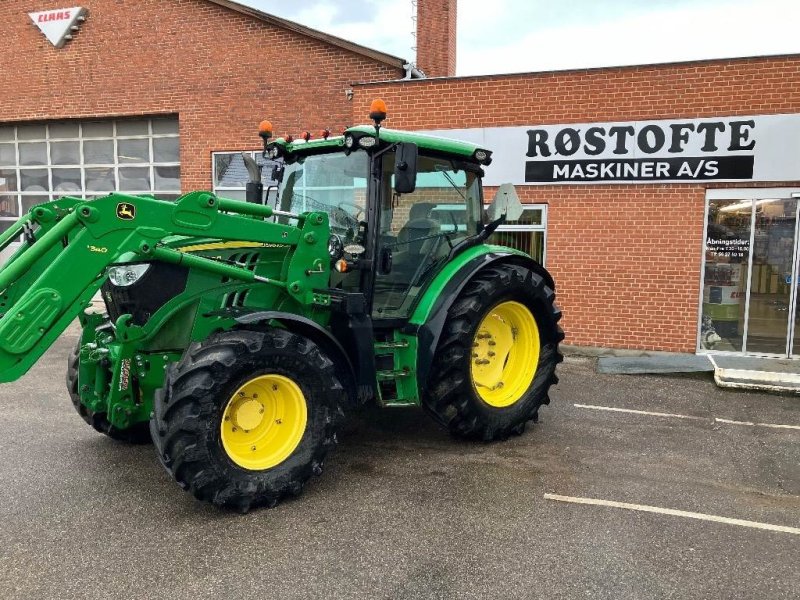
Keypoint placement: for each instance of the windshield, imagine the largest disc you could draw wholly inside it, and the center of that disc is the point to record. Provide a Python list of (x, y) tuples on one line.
[(332, 183)]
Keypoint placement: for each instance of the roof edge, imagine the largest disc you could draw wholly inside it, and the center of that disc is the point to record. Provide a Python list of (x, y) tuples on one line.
[(377, 55), (577, 70)]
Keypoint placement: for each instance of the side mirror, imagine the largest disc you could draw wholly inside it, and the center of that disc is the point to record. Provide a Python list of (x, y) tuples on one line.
[(405, 168), (253, 170)]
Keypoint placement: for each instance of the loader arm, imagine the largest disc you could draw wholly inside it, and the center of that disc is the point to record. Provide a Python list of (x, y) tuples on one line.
[(70, 243)]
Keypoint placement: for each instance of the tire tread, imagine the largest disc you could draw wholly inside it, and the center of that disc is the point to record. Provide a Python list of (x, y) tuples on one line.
[(183, 410), (451, 399)]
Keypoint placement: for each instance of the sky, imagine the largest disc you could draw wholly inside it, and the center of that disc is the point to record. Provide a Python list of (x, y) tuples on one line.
[(511, 36)]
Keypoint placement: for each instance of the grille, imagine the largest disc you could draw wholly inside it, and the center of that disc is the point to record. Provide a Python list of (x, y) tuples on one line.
[(249, 261), (155, 288)]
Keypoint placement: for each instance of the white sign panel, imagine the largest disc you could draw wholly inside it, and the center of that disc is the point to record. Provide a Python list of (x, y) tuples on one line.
[(56, 25), (746, 148)]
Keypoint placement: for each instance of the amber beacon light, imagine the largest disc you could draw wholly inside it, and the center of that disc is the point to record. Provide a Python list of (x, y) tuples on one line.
[(377, 111), (265, 129)]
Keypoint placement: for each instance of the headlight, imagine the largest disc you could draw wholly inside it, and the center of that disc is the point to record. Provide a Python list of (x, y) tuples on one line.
[(367, 141), (348, 141), (126, 275), (482, 156)]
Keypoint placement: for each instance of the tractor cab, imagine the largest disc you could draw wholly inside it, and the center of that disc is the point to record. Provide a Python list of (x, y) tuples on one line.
[(406, 218), (399, 204)]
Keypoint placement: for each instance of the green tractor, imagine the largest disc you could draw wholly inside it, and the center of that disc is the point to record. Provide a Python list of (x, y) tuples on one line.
[(237, 333)]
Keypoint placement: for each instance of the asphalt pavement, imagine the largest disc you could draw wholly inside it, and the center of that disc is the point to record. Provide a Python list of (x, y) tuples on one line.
[(405, 511)]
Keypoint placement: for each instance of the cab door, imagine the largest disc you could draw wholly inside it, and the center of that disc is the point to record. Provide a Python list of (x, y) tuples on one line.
[(418, 230)]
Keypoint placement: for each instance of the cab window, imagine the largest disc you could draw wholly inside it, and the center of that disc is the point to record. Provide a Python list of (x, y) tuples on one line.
[(420, 228)]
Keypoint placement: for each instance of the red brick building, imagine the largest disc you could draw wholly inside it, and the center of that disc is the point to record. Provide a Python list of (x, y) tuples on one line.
[(660, 195), (629, 258)]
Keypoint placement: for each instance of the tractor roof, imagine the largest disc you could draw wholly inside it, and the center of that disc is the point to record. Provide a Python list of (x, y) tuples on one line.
[(424, 142)]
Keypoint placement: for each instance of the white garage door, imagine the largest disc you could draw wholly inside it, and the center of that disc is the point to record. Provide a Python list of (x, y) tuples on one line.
[(40, 162)]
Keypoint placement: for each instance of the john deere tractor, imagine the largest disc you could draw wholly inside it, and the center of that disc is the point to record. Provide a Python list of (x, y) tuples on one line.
[(236, 334)]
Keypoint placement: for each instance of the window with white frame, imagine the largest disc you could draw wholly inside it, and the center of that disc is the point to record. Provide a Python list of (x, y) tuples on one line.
[(528, 233), (40, 162)]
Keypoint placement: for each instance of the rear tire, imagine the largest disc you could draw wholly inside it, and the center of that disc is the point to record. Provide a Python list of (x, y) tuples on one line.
[(513, 297), (211, 390), (138, 433)]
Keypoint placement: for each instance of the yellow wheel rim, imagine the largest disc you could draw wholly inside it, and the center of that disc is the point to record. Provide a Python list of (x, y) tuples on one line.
[(505, 354), (263, 422)]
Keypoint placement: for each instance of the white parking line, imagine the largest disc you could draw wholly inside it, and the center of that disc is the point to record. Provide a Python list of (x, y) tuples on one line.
[(774, 425), (674, 513), (691, 417), (638, 412)]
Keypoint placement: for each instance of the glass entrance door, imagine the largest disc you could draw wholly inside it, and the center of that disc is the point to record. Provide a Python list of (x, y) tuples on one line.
[(750, 289), (794, 282), (771, 291)]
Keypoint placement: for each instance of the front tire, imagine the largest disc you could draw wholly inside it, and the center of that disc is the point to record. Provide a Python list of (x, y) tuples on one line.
[(497, 355), (247, 417)]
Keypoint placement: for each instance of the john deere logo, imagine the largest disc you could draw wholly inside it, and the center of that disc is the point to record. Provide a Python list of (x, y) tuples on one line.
[(126, 212)]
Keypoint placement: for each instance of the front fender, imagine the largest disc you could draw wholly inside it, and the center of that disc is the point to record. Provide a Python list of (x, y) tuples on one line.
[(314, 331)]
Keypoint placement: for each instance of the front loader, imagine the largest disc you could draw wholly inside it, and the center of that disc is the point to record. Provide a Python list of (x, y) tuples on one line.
[(237, 334)]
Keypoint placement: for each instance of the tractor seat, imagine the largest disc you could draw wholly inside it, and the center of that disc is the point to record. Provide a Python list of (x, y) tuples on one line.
[(415, 235), (419, 225), (414, 248)]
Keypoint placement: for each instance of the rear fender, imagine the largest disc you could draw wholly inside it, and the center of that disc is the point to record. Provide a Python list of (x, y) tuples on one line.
[(429, 318)]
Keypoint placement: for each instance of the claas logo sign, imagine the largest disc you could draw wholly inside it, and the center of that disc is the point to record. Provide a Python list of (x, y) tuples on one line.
[(59, 25)]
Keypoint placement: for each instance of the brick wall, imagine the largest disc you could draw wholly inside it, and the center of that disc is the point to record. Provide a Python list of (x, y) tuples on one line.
[(220, 70), (436, 37), (626, 258)]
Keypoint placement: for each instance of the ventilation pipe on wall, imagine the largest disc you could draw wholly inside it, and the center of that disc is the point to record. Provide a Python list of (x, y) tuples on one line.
[(412, 72)]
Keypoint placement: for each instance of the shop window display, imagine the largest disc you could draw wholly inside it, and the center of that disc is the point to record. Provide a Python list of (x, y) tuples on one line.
[(727, 248)]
